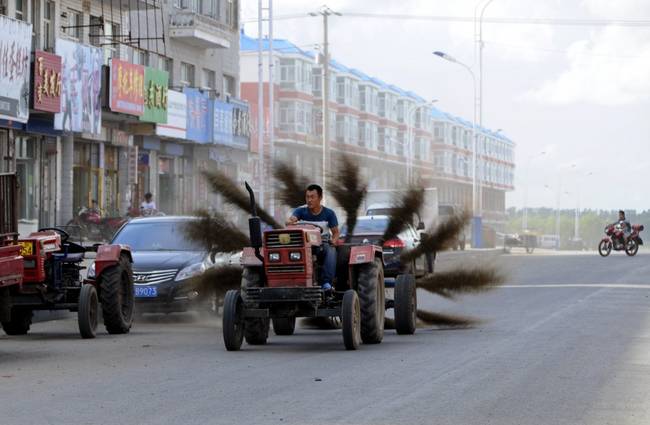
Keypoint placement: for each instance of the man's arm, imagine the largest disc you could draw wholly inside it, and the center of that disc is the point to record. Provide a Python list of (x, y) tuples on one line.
[(335, 234), (292, 220)]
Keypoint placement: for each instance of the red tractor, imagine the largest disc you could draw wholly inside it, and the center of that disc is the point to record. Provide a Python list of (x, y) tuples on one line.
[(280, 283), (43, 272)]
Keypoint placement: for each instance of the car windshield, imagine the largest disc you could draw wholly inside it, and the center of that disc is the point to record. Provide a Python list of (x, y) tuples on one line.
[(155, 236), (380, 211), (445, 210), (376, 225)]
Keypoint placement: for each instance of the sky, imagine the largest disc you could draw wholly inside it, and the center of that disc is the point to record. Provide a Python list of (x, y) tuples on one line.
[(574, 99)]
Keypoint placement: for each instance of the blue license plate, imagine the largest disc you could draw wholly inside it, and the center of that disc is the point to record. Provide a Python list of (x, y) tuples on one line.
[(146, 291)]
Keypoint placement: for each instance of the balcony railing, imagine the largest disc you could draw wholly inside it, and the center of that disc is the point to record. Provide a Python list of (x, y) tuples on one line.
[(199, 30)]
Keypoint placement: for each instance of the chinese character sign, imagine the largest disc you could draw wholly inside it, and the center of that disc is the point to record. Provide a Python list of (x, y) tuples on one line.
[(176, 116), (155, 95), (47, 82), (198, 116), (231, 125), (15, 50), (81, 82), (127, 88)]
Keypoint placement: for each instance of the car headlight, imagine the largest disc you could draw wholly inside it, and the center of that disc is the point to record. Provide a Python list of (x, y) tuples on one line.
[(191, 271), (274, 257), (295, 256), (91, 271)]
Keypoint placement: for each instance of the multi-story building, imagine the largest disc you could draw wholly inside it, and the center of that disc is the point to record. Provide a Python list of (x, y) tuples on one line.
[(145, 98), (396, 134)]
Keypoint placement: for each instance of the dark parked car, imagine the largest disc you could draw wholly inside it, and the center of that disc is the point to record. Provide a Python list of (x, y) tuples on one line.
[(370, 229), (164, 261)]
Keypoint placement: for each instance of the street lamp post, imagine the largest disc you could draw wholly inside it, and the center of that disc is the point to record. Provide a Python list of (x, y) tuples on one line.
[(325, 12), (524, 220), (477, 235)]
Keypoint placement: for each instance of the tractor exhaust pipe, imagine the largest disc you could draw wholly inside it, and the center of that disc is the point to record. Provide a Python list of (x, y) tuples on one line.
[(254, 224)]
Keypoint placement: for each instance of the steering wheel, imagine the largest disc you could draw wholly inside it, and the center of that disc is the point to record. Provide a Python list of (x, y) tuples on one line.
[(64, 235), (311, 223)]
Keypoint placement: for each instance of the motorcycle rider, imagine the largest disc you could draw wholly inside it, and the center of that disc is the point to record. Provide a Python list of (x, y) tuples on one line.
[(625, 225)]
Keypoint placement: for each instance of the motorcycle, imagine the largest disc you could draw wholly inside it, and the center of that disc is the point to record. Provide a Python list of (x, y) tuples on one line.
[(92, 226), (615, 240)]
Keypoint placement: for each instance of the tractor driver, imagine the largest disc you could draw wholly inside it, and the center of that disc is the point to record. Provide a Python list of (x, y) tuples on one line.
[(314, 211)]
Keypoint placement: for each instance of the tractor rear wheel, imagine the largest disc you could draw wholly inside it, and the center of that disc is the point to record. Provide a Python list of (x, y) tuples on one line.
[(256, 330), (21, 320), (370, 288), (351, 320), (284, 325), (233, 324), (117, 298), (406, 304), (87, 314)]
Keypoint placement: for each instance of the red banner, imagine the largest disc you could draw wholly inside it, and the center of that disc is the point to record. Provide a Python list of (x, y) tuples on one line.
[(127, 88), (47, 82)]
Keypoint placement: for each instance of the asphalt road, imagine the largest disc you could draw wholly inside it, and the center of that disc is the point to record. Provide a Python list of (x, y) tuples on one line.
[(565, 341)]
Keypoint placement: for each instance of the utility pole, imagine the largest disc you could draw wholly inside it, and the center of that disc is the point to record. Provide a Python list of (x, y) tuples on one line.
[(271, 107), (325, 12), (260, 102)]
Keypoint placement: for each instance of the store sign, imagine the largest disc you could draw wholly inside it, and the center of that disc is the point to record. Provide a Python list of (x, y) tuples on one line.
[(198, 116), (231, 125), (15, 51), (121, 138), (81, 71), (176, 126), (155, 95), (47, 82), (127, 88)]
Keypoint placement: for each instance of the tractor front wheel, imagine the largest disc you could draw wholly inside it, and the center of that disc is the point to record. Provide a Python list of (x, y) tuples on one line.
[(117, 298), (21, 320), (256, 330), (233, 324), (351, 320), (87, 314), (284, 325), (406, 304), (370, 288)]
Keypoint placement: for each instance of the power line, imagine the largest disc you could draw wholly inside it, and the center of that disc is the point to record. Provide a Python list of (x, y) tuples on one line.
[(636, 23)]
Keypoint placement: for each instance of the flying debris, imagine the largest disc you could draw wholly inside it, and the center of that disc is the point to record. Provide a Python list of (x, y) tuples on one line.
[(215, 233), (442, 238), (446, 320), (292, 192), (405, 208), (218, 280), (349, 190), (454, 282), (223, 185)]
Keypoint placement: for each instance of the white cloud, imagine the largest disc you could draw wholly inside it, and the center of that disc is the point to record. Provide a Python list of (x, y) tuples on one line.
[(611, 67)]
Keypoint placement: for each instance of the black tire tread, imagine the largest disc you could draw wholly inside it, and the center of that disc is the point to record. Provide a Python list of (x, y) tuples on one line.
[(405, 290), (87, 329), (284, 325), (351, 334), (372, 324), (232, 335), (110, 282)]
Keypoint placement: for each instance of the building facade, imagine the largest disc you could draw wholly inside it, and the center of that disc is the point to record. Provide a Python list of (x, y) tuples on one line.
[(396, 135), (133, 97)]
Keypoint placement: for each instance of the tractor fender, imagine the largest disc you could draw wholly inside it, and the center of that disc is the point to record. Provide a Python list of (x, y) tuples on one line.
[(109, 255), (363, 254)]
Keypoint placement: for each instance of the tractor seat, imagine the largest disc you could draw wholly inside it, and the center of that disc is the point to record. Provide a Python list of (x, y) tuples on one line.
[(69, 258)]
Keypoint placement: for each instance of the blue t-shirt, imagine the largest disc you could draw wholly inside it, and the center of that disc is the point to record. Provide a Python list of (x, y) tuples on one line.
[(326, 214)]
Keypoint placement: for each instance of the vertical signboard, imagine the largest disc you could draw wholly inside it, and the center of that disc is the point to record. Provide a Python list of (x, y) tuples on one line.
[(198, 116), (127, 88), (176, 126), (81, 71), (155, 95), (47, 82), (231, 125), (15, 50)]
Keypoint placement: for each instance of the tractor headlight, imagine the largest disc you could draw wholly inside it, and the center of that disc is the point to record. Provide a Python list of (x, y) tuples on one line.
[(274, 257), (191, 271), (91, 271), (295, 256)]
